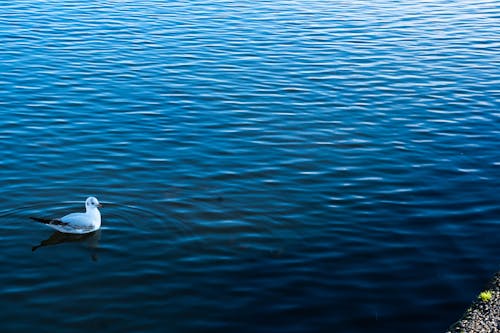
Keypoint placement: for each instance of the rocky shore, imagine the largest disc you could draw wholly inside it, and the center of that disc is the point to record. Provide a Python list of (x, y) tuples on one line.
[(483, 316)]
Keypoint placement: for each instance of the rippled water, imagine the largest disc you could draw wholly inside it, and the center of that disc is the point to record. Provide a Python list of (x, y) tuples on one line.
[(265, 166)]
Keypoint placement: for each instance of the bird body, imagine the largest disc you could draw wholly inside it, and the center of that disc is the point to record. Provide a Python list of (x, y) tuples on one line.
[(77, 223)]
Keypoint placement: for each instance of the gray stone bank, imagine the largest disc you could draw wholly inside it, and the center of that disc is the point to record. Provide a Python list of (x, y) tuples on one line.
[(483, 316)]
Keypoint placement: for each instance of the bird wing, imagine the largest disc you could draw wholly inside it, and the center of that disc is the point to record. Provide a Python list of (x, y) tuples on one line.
[(76, 219)]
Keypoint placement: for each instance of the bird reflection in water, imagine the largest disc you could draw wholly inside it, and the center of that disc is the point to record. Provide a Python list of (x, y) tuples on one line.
[(92, 240)]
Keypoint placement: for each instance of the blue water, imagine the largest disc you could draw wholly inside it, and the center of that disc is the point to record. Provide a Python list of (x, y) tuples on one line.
[(265, 166)]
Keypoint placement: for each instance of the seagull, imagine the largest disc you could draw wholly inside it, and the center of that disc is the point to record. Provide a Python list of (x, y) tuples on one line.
[(77, 223)]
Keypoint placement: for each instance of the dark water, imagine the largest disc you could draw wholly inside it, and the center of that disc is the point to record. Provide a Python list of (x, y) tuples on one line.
[(266, 166)]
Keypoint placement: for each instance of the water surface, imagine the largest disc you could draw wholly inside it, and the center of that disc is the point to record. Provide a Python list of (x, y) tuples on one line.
[(265, 166)]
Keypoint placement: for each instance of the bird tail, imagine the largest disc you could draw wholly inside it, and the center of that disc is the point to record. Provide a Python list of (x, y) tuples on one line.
[(48, 221), (41, 219)]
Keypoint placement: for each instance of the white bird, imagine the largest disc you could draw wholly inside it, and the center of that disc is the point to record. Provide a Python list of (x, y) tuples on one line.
[(77, 223)]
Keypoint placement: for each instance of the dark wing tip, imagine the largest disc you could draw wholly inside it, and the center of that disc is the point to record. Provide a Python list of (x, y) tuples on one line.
[(48, 221), (41, 219)]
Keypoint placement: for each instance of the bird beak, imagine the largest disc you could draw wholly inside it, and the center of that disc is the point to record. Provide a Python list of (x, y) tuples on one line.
[(99, 205)]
